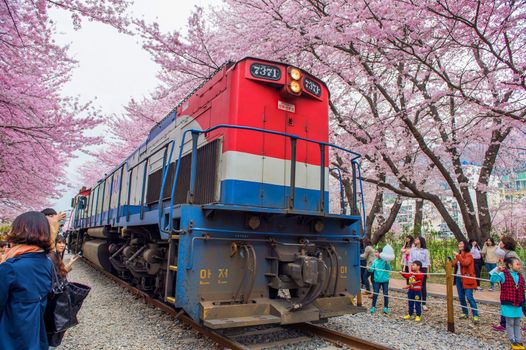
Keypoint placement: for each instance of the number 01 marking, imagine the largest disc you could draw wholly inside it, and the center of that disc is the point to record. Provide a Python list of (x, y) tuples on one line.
[(343, 271)]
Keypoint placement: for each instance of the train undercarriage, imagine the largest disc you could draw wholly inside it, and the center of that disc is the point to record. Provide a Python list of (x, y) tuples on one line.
[(231, 279)]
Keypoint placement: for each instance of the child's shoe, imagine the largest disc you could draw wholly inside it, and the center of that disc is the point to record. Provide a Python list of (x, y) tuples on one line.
[(407, 317), (463, 317), (417, 318), (386, 310), (475, 319), (373, 310)]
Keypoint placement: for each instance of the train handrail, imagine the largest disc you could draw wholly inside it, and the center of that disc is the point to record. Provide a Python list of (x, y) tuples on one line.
[(364, 226), (195, 136), (342, 199), (166, 167)]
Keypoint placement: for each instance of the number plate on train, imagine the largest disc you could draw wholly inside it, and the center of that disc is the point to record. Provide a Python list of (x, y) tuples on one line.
[(265, 71), (312, 86)]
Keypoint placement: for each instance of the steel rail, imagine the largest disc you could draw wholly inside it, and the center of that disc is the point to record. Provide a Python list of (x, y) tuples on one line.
[(221, 340), (224, 341), (340, 338)]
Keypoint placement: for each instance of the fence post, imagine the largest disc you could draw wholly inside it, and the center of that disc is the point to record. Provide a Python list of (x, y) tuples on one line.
[(449, 294)]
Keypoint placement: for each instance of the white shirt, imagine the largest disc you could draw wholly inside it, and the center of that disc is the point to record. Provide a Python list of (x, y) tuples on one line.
[(419, 254), (475, 252)]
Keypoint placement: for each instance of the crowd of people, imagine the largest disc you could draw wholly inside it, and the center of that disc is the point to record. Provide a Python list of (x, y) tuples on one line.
[(501, 261), (33, 250)]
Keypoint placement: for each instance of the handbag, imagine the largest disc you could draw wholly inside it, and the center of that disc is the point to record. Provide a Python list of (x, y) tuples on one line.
[(63, 304)]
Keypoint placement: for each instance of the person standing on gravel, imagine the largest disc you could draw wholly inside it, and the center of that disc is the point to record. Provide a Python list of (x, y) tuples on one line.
[(477, 260), (505, 249), (420, 253), (368, 256), (26, 275), (380, 269), (414, 290), (511, 297), (465, 280), (406, 250), (490, 258)]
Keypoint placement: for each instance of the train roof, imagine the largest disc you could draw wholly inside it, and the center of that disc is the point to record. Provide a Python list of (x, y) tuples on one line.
[(172, 115)]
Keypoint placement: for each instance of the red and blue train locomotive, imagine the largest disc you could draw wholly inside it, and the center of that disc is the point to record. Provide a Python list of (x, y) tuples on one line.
[(224, 210)]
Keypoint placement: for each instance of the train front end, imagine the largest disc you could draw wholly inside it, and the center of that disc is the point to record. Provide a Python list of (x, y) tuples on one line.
[(269, 250), (224, 210)]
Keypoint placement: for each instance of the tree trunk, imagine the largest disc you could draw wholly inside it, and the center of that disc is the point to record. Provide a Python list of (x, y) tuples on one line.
[(386, 226), (419, 216), (376, 212)]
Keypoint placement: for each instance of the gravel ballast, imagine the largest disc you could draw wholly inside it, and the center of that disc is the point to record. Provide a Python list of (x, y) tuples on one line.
[(112, 318), (430, 333)]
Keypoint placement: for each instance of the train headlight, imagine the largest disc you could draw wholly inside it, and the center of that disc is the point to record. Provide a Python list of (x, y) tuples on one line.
[(295, 87), (294, 80), (295, 73)]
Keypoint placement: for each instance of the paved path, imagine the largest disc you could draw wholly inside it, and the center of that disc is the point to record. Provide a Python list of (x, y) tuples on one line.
[(439, 290)]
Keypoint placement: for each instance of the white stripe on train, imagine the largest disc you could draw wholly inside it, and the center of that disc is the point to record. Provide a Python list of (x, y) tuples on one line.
[(256, 168)]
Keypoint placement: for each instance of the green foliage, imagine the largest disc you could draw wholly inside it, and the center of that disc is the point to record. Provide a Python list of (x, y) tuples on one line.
[(3, 231), (439, 250)]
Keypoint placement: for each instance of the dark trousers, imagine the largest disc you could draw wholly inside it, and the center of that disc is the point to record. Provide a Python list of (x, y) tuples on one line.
[(478, 269), (424, 286), (364, 274), (414, 304), (385, 291)]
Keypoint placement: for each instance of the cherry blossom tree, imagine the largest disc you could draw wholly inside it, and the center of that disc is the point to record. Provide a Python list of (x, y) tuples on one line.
[(39, 128), (432, 93), (508, 217), (415, 86)]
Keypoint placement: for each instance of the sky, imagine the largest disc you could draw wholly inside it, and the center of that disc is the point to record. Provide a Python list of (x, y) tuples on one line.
[(112, 67)]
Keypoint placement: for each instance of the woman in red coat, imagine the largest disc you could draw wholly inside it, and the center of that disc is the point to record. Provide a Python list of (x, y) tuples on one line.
[(466, 283)]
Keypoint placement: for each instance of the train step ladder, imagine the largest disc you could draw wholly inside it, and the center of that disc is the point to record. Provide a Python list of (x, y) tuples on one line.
[(171, 270)]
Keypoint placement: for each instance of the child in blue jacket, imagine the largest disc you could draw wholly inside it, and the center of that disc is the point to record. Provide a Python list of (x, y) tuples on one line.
[(381, 269)]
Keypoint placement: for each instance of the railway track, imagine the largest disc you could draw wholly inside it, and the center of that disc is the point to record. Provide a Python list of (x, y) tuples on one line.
[(243, 339)]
